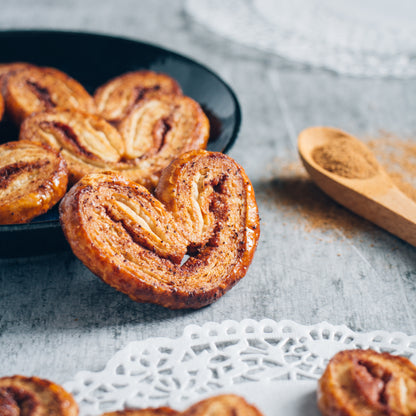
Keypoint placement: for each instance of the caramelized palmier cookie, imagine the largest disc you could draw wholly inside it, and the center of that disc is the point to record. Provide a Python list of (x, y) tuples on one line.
[(37, 89), (116, 98), (158, 130), (137, 243), (87, 142), (221, 405), (364, 382), (33, 178), (32, 396)]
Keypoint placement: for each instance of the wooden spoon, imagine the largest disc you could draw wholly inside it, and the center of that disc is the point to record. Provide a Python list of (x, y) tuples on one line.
[(375, 198)]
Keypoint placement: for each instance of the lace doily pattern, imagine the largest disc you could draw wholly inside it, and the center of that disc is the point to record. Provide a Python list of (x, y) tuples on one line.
[(373, 38), (163, 371)]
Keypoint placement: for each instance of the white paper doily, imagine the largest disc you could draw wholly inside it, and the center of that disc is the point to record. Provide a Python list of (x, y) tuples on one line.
[(356, 37), (273, 364)]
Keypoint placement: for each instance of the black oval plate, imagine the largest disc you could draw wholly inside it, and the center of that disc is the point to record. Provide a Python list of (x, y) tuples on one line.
[(92, 60)]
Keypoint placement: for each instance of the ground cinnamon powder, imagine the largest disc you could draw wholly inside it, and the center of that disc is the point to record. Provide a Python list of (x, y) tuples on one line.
[(346, 157)]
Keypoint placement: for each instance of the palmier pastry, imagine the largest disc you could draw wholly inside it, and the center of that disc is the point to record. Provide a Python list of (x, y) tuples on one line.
[(32, 396), (87, 142), (37, 89), (33, 178), (158, 130), (222, 405), (364, 382), (116, 98), (137, 243)]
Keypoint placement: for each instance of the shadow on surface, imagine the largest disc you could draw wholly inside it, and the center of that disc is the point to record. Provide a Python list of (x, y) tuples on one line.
[(302, 202), (59, 292)]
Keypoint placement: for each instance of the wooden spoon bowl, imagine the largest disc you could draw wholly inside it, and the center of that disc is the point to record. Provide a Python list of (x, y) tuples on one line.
[(375, 198)]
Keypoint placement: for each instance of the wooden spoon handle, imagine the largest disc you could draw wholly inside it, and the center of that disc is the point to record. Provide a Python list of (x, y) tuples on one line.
[(396, 213)]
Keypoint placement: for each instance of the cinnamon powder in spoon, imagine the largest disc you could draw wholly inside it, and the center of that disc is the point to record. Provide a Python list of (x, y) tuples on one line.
[(346, 157)]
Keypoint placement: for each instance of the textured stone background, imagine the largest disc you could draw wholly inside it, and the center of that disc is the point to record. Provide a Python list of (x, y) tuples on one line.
[(57, 318)]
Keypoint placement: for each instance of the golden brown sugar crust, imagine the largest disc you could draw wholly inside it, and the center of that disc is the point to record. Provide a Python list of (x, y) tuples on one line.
[(221, 405), (33, 178), (32, 396), (87, 142), (136, 243), (116, 98), (158, 130), (36, 89), (367, 383)]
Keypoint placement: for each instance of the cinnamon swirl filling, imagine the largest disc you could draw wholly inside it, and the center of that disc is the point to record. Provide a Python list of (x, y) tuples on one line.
[(34, 89), (158, 130), (136, 243), (116, 98), (87, 142)]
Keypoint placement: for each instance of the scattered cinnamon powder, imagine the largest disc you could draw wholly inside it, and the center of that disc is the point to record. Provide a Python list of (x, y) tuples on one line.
[(306, 206), (346, 157)]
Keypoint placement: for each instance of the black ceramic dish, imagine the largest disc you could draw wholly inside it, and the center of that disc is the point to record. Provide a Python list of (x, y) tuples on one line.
[(92, 60)]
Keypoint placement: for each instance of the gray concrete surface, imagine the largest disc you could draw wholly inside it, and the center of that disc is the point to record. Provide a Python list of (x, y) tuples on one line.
[(57, 318)]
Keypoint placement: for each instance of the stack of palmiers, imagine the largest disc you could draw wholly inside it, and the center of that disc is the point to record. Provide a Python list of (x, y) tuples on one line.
[(146, 196)]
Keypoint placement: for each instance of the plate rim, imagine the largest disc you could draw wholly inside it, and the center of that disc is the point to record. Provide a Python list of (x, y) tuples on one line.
[(94, 34)]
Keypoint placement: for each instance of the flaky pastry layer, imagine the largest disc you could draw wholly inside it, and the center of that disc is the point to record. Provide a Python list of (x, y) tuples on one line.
[(86, 141)]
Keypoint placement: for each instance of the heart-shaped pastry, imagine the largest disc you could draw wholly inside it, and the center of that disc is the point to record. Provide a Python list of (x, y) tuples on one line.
[(86, 141), (221, 405), (35, 89), (116, 98), (33, 178), (32, 396), (155, 132), (365, 382), (158, 130), (136, 243)]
